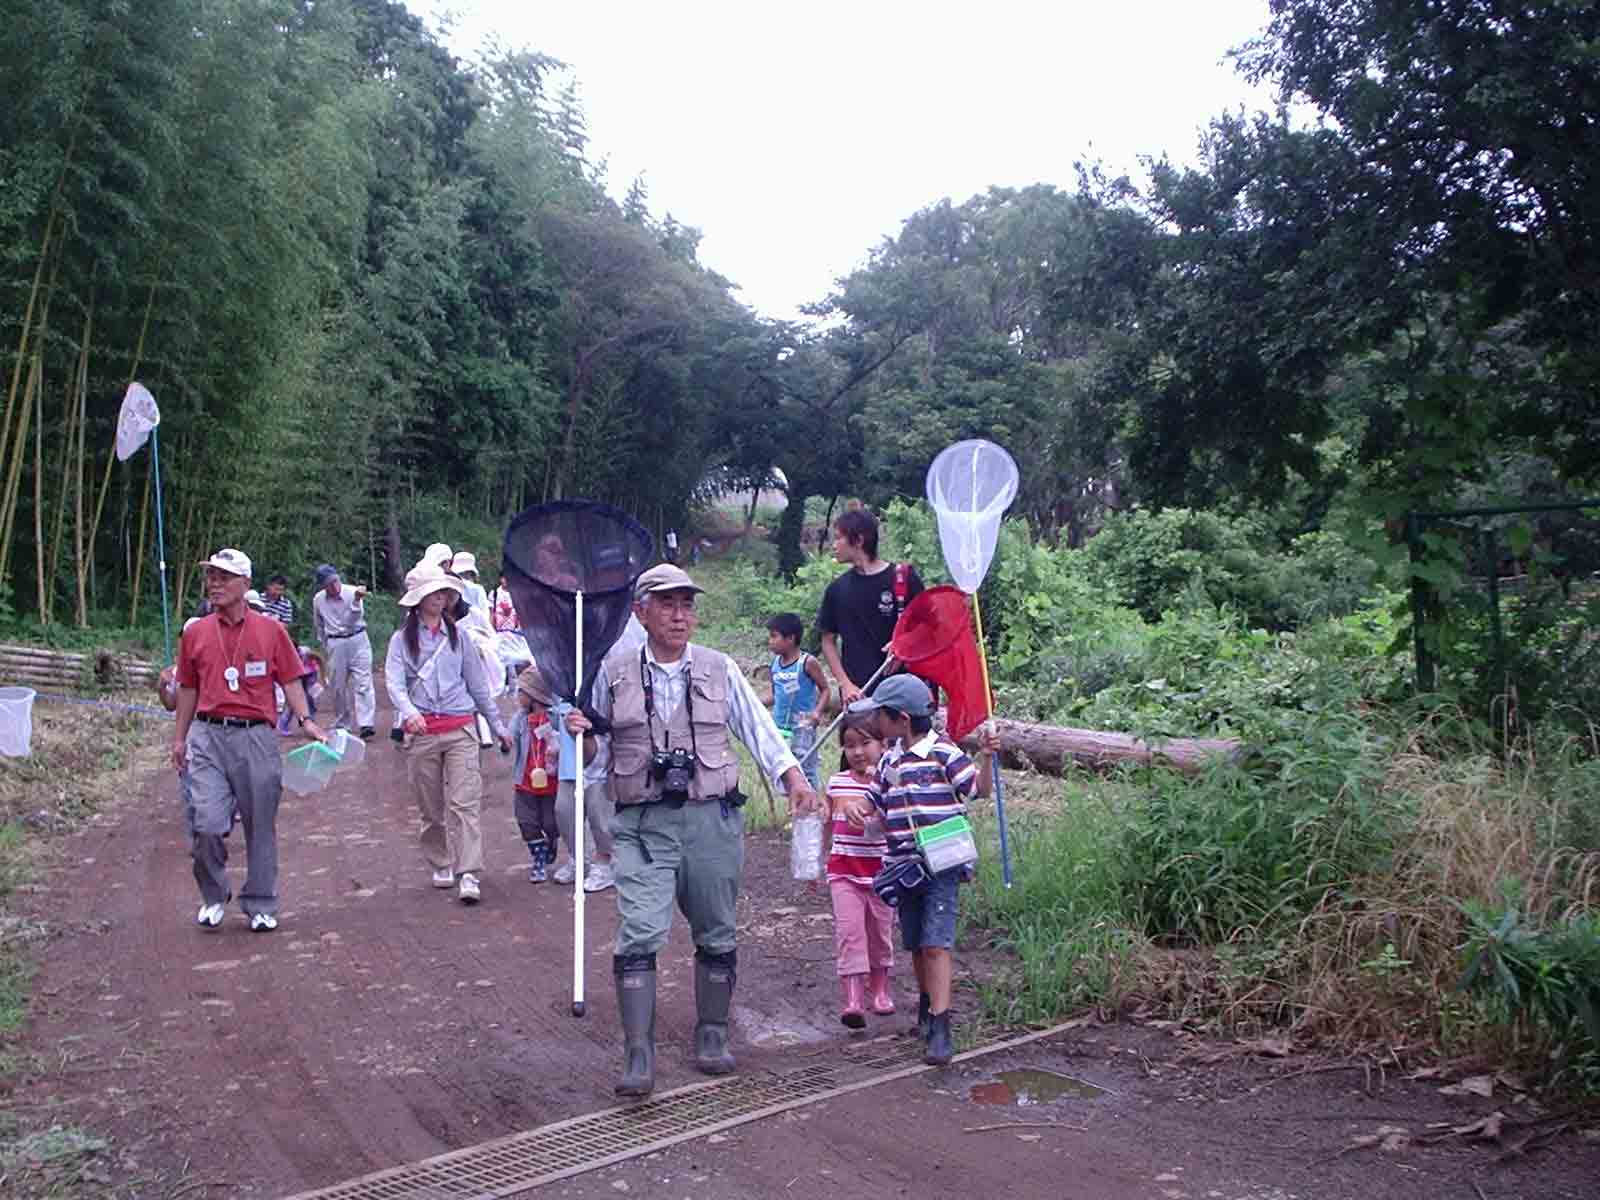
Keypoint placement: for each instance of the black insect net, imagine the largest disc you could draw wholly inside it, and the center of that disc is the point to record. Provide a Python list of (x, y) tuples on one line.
[(554, 551)]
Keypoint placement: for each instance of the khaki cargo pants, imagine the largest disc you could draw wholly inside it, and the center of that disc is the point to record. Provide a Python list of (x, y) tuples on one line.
[(445, 776), (691, 856)]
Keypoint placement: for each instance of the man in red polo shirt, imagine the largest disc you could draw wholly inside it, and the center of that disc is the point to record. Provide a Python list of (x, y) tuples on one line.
[(227, 740)]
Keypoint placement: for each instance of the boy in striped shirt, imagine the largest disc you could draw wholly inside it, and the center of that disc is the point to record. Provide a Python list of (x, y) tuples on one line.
[(922, 779)]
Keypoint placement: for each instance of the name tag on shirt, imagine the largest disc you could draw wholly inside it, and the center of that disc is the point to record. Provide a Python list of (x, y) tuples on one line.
[(255, 670)]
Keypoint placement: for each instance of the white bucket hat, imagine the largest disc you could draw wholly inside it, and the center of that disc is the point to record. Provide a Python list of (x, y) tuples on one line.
[(438, 554), (464, 562), (424, 579)]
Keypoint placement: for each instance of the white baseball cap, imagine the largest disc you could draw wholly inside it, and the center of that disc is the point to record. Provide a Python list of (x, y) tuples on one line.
[(234, 562)]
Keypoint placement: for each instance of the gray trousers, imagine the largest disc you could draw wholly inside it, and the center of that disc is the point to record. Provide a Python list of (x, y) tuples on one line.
[(228, 768), (691, 855), (355, 704), (596, 817)]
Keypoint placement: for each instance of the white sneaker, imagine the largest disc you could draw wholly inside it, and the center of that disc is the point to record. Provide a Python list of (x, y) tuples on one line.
[(444, 877), (599, 878), (210, 915), (263, 923), (468, 891), (565, 873)]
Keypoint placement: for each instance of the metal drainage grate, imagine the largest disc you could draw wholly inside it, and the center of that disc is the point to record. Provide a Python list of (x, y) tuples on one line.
[(515, 1164)]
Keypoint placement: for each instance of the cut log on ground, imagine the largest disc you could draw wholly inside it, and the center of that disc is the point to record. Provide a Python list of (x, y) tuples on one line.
[(1050, 748), (38, 667)]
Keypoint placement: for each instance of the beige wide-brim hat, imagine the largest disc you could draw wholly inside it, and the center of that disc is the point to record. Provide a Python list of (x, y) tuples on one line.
[(423, 580)]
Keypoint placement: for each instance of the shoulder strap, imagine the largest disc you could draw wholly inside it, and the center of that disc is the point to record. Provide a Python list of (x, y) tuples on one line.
[(902, 585), (415, 675)]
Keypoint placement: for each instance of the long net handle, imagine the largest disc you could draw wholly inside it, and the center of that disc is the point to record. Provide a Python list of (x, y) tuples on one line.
[(161, 545), (816, 746), (999, 787), (578, 818)]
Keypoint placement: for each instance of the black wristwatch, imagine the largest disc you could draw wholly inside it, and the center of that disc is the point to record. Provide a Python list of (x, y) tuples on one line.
[(301, 721)]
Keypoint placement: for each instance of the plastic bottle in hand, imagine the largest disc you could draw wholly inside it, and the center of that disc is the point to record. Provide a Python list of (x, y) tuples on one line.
[(805, 847)]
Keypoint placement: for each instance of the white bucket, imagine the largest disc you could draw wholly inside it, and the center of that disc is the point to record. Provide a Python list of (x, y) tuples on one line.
[(16, 721)]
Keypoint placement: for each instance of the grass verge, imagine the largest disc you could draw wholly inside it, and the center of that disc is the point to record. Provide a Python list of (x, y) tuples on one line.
[(82, 758), (1456, 911)]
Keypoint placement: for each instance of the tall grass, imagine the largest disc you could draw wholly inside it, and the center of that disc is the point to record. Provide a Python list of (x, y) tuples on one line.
[(1065, 918), (1388, 893)]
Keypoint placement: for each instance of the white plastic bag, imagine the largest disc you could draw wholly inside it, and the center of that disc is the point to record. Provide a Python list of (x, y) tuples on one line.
[(805, 848)]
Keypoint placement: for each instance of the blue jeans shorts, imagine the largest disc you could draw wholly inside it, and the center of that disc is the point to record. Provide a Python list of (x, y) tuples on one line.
[(928, 917)]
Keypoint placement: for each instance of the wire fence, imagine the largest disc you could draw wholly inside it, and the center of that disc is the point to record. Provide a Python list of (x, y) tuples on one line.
[(1506, 606)]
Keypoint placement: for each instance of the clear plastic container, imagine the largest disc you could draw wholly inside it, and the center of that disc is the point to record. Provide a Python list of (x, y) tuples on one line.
[(352, 751), (805, 848), (16, 721), (308, 768), (948, 844)]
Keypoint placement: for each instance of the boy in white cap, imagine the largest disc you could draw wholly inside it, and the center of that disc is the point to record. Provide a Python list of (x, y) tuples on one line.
[(228, 663)]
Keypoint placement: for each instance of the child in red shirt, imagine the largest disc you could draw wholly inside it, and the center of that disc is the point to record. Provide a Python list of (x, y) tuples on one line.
[(538, 755), (863, 925)]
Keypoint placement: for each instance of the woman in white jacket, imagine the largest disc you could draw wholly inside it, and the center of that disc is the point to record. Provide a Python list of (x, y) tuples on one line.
[(438, 686)]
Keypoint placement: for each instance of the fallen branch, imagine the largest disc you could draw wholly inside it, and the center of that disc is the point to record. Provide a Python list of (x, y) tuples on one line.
[(1025, 1125)]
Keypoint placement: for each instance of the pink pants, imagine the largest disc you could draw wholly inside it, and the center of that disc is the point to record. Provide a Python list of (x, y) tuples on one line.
[(863, 928)]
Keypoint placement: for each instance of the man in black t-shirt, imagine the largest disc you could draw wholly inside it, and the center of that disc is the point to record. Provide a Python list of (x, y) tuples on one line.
[(862, 605)]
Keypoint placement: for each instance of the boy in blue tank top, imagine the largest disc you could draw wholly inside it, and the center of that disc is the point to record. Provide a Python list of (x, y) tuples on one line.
[(799, 689)]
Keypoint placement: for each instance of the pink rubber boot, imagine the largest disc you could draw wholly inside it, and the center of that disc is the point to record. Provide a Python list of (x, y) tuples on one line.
[(879, 994), (852, 990)]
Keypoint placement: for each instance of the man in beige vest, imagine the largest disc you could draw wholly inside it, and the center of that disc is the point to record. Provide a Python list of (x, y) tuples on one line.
[(665, 710)]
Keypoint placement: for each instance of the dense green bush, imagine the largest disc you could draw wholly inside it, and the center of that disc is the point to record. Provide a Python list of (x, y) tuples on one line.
[(1155, 558), (1546, 978)]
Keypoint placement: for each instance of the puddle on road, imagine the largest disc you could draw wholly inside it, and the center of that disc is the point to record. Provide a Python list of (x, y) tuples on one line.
[(787, 1027), (1031, 1086)]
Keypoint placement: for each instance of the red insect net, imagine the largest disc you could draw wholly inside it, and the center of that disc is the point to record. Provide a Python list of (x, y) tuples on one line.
[(935, 639)]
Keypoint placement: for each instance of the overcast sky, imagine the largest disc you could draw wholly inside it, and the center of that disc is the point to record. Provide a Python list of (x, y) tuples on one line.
[(797, 137)]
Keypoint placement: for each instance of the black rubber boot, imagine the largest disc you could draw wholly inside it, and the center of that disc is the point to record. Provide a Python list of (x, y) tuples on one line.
[(714, 977), (940, 1050), (636, 1000), (923, 1005)]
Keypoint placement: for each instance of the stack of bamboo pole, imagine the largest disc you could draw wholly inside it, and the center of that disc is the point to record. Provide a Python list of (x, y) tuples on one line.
[(37, 667)]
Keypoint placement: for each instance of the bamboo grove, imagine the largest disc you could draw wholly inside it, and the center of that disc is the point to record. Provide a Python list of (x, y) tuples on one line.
[(371, 287)]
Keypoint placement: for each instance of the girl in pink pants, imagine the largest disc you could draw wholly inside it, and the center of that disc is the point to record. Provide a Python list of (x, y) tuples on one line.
[(862, 924)]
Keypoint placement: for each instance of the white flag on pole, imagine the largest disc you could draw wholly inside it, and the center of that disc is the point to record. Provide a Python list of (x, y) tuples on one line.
[(138, 417)]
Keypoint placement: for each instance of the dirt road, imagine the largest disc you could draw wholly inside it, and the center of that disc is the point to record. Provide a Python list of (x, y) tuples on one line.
[(385, 1022)]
